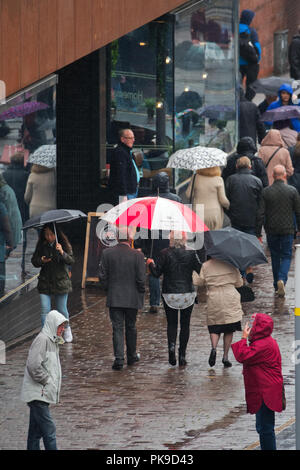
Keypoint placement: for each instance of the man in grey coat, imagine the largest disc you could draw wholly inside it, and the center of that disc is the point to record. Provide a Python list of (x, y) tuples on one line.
[(42, 381), (122, 272)]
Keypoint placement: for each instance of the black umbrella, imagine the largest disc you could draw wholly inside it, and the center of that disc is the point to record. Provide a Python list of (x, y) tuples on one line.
[(237, 248), (271, 85), (54, 216)]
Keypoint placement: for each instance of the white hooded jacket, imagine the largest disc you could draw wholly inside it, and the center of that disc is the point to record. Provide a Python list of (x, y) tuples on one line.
[(42, 377)]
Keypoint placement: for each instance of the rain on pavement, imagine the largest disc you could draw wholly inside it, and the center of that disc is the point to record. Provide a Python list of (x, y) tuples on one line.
[(150, 405)]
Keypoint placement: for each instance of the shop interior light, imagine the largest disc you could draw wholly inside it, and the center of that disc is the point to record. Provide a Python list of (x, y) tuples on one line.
[(168, 60), (204, 76), (159, 104), (142, 44), (186, 88)]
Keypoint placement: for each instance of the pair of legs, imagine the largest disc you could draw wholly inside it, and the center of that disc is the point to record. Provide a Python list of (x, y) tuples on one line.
[(154, 290), (227, 340), (172, 327), (281, 249), (60, 303), (265, 423), (124, 318), (249, 71), (41, 426)]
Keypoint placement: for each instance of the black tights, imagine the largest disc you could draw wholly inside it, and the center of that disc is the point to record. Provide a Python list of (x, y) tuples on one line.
[(172, 319)]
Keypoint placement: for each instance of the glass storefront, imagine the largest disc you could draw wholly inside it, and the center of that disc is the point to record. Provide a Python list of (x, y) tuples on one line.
[(27, 164), (173, 81)]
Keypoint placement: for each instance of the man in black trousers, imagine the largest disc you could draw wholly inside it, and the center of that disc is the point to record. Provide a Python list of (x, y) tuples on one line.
[(122, 272)]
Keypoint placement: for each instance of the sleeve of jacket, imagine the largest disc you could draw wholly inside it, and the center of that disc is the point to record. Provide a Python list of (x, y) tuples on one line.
[(36, 358), (297, 208), (6, 227), (250, 354), (294, 58), (158, 268), (36, 257), (140, 273), (260, 216), (103, 271), (260, 127), (261, 172), (120, 165), (224, 202)]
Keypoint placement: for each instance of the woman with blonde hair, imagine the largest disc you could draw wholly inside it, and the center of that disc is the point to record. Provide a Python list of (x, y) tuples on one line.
[(207, 190), (177, 264)]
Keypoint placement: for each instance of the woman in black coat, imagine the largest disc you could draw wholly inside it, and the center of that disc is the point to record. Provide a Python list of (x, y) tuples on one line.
[(177, 264)]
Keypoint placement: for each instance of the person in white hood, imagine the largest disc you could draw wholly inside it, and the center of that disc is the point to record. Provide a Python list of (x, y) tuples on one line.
[(42, 381)]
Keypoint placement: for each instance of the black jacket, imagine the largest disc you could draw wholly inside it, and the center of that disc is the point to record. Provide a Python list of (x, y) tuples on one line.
[(244, 193), (294, 57), (177, 266), (123, 178), (246, 148), (277, 207), (250, 124)]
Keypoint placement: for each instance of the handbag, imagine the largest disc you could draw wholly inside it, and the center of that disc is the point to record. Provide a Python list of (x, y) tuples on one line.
[(246, 293)]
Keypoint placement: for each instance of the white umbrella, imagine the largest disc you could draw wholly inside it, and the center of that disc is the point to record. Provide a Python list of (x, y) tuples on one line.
[(45, 155), (196, 158)]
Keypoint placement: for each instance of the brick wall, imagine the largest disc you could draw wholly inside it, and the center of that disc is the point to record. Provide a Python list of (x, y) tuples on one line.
[(272, 16)]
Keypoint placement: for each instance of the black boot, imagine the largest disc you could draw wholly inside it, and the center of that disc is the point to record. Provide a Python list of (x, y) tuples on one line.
[(181, 358), (172, 355)]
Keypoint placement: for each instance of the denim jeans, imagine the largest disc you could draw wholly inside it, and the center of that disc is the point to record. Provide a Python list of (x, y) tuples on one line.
[(281, 248), (121, 317), (60, 303), (41, 426), (265, 422), (154, 289)]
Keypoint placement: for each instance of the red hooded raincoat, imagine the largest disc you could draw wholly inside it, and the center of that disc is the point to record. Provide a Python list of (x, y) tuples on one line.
[(261, 366)]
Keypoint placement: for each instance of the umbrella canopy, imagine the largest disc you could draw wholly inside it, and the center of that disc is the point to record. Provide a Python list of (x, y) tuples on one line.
[(21, 110), (237, 248), (270, 85), (282, 113), (197, 157), (55, 215), (45, 155), (218, 111), (155, 213)]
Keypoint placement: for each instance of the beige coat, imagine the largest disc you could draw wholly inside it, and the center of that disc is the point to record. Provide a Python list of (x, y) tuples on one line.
[(40, 193), (223, 300), (209, 191), (269, 144)]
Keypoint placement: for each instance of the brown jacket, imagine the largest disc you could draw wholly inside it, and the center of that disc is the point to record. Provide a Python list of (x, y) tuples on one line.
[(223, 300), (269, 144)]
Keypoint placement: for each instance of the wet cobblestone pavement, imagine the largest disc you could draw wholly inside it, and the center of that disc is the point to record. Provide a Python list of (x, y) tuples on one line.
[(151, 405)]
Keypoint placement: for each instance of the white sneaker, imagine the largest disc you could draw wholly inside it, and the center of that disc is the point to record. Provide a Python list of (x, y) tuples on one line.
[(68, 337)]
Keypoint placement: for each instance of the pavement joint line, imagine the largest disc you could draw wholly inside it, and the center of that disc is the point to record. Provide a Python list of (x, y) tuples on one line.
[(277, 431)]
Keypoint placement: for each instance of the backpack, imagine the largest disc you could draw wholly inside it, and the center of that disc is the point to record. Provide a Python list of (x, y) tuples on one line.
[(247, 50)]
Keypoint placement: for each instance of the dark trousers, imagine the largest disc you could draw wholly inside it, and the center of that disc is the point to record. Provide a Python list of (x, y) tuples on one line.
[(172, 321), (120, 318), (41, 426), (265, 422), (251, 73)]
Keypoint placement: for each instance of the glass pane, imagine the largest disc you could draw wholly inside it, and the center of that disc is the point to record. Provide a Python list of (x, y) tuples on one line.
[(205, 68), (27, 124)]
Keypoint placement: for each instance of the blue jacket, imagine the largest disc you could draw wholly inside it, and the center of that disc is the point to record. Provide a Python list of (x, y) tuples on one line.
[(295, 122), (245, 21)]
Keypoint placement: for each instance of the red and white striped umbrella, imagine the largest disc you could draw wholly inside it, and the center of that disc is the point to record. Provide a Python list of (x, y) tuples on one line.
[(155, 213)]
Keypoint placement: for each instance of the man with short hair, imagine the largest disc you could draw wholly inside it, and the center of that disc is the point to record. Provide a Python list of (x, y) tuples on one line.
[(124, 175), (280, 203), (122, 273)]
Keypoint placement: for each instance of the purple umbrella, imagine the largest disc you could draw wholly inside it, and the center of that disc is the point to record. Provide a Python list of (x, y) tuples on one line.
[(218, 111), (21, 110), (282, 113)]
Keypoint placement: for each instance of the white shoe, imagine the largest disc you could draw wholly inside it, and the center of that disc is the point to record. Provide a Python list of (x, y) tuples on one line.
[(280, 286), (68, 337)]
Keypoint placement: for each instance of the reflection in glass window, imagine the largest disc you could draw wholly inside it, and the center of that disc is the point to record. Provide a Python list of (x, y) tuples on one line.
[(27, 179)]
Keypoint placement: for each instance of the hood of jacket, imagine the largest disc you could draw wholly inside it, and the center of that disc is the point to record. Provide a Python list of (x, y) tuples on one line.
[(161, 182), (286, 87), (53, 320), (262, 327), (273, 139), (246, 147), (247, 17)]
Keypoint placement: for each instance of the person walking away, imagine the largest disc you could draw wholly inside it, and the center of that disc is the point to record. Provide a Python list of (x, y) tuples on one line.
[(206, 188), (54, 258), (262, 374), (42, 382), (250, 123), (278, 209), (40, 192), (273, 152), (246, 148), (223, 310), (249, 60), (122, 273), (124, 175), (176, 263), (244, 192), (16, 177), (294, 56)]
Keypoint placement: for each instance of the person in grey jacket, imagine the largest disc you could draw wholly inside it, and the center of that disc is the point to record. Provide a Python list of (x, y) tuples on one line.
[(122, 273), (42, 382)]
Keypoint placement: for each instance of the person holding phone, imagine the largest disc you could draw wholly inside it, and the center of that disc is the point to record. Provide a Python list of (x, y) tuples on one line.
[(262, 373)]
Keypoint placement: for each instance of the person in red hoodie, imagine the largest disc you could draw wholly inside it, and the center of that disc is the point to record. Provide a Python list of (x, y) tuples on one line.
[(262, 372)]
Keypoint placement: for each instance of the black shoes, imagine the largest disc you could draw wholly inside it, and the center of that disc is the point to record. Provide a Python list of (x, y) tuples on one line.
[(172, 355), (182, 360), (153, 309), (226, 363), (117, 366), (135, 359), (212, 357)]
